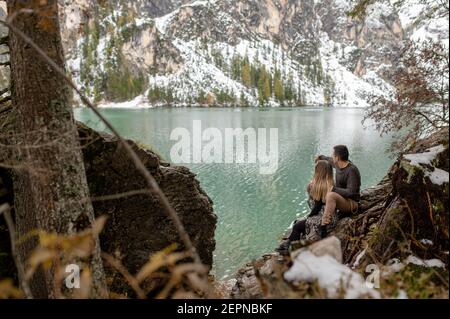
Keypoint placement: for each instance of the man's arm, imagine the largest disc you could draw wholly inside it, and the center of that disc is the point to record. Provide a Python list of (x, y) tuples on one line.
[(351, 190)]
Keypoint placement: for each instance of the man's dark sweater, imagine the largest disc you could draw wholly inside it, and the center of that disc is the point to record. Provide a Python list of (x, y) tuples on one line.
[(347, 180)]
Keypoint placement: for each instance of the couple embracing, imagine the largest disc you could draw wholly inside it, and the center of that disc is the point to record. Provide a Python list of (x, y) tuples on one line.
[(328, 195)]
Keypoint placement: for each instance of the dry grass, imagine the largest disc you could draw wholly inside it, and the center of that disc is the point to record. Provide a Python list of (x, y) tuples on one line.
[(182, 279)]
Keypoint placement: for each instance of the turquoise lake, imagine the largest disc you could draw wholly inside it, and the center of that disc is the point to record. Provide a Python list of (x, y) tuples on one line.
[(254, 210)]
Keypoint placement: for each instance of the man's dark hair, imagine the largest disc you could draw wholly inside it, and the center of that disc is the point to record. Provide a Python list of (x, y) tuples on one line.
[(342, 152)]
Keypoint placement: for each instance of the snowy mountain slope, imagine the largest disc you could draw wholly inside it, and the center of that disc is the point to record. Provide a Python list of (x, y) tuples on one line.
[(198, 52), (236, 52), (424, 20)]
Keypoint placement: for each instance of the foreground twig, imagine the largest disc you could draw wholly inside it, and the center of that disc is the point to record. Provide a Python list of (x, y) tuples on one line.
[(119, 195), (126, 275), (5, 210), (5, 90)]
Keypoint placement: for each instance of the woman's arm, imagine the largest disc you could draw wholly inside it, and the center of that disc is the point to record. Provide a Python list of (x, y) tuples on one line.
[(309, 187)]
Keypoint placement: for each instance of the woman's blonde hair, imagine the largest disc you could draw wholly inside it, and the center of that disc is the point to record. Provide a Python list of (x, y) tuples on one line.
[(322, 181)]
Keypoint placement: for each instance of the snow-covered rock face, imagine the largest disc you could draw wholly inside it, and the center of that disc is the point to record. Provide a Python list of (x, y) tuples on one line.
[(292, 36), (73, 17), (436, 25), (189, 48), (186, 49)]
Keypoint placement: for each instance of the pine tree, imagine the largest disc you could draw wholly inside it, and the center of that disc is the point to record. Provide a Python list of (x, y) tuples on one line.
[(97, 90), (201, 97), (236, 67), (246, 73), (328, 90), (300, 101), (204, 44), (264, 92), (218, 58), (243, 100), (319, 72), (169, 95), (308, 72), (278, 87), (254, 75), (289, 92)]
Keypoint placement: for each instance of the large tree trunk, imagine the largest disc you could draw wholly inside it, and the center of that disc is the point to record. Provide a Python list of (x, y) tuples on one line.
[(51, 191)]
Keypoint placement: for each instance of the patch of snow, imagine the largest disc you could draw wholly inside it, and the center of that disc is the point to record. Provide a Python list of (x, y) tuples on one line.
[(409, 13), (141, 21), (426, 242), (402, 294), (438, 176), (375, 14), (138, 102), (393, 265), (423, 20), (344, 5), (163, 22), (330, 275), (358, 258), (425, 263), (199, 3), (425, 158)]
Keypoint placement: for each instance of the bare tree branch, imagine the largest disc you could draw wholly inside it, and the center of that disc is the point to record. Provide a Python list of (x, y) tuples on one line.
[(3, 91), (5, 210), (126, 275), (119, 195), (5, 99)]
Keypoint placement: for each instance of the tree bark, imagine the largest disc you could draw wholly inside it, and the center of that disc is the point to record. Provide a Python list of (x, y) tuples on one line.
[(51, 187)]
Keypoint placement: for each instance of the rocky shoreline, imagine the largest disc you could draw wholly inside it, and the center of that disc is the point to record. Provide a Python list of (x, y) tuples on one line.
[(397, 242)]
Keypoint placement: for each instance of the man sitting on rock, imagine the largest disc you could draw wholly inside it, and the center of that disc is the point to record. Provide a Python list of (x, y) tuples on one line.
[(345, 194), (342, 194)]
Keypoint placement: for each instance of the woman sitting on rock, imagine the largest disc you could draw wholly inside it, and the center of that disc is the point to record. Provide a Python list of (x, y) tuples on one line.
[(311, 228)]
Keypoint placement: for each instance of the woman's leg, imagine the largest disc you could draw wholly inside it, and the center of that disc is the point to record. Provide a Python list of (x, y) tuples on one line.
[(298, 229)]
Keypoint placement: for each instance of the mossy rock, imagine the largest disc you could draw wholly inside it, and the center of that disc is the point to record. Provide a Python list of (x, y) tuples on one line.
[(417, 282)]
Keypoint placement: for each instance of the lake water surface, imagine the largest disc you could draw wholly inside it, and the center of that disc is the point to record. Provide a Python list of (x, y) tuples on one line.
[(254, 210)]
